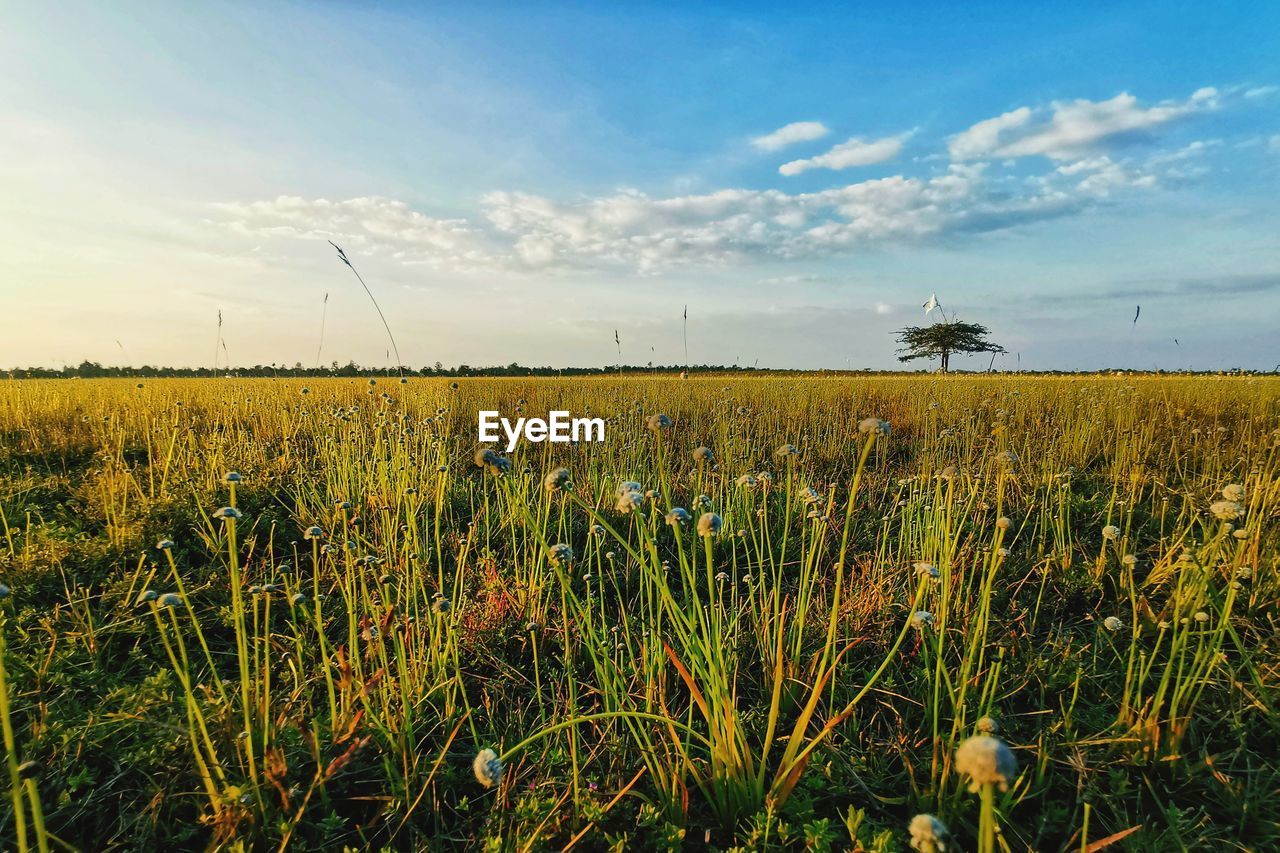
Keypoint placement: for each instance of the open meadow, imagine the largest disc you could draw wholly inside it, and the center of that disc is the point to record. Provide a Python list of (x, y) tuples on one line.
[(773, 613)]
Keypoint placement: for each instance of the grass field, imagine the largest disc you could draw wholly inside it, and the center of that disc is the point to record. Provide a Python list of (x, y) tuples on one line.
[(1075, 579)]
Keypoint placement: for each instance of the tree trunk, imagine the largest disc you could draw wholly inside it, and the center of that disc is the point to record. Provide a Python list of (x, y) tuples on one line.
[(946, 360)]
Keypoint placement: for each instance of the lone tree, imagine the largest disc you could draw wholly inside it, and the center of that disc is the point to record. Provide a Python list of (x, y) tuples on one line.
[(942, 339)]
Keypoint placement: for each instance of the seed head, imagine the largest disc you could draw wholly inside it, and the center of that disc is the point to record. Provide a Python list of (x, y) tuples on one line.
[(1233, 492), (313, 532), (986, 760), (678, 515), (704, 454), (231, 477), (785, 450), (229, 513), (146, 597), (487, 767), (709, 524), (1003, 522), (557, 480), (164, 544), (629, 502), (987, 726), (1111, 532), (921, 619), (928, 834), (561, 554), (868, 426), (747, 481), (170, 600), (658, 422), (929, 569), (1112, 623), (1226, 510)]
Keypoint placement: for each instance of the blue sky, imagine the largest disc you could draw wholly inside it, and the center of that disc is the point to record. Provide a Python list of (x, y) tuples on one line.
[(518, 181)]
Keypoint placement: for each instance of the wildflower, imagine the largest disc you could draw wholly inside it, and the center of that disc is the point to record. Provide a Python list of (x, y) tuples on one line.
[(746, 481), (986, 760), (722, 576), (1129, 560), (1244, 572), (928, 569), (164, 544), (561, 554), (629, 502), (948, 473), (170, 600), (145, 597), (678, 515), (483, 457), (231, 477), (1201, 617), (785, 450), (487, 767), (1003, 522), (557, 480), (597, 530), (1226, 510), (928, 834), (629, 486), (987, 726), (229, 513), (658, 422), (709, 524), (531, 627), (1007, 457), (1112, 623), (1233, 492), (810, 496), (704, 454), (441, 605), (874, 425), (922, 619), (1111, 532), (298, 599), (313, 532), (342, 504)]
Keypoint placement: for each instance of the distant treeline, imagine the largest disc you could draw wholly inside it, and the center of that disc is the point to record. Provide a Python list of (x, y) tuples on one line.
[(94, 370)]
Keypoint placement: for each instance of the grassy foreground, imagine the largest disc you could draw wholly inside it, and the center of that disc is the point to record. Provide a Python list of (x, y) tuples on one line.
[(1041, 610)]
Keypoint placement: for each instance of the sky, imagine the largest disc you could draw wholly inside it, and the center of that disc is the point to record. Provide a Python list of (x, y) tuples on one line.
[(515, 182)]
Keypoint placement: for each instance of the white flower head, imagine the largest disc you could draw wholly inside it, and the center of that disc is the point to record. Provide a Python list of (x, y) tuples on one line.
[(658, 422), (785, 450), (561, 554), (704, 454), (709, 524), (986, 760), (1233, 492), (228, 513), (922, 619), (1111, 532), (928, 569), (557, 480), (928, 834), (874, 426), (1113, 623), (629, 502), (678, 515), (487, 767), (1226, 510)]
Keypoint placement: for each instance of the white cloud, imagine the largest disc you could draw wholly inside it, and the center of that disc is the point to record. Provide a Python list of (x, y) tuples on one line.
[(1274, 143), (1261, 91), (1075, 128), (366, 223), (983, 138), (851, 153), (632, 230), (797, 131)]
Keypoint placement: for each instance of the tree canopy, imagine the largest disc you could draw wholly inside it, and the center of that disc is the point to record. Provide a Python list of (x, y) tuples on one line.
[(941, 340)]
